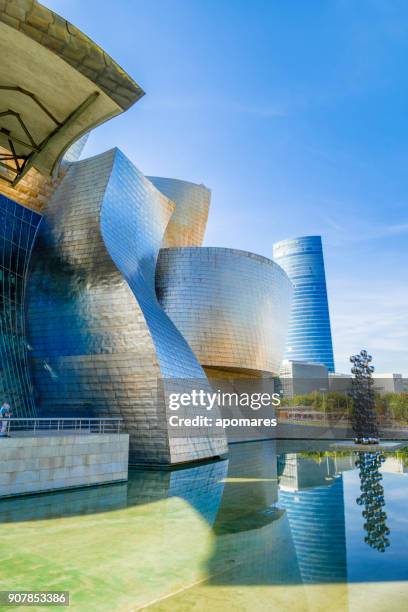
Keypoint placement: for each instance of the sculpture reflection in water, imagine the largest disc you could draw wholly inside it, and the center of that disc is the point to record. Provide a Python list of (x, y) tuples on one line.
[(372, 498)]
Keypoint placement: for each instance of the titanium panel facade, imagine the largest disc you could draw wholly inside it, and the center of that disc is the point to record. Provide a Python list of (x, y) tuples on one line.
[(18, 228), (232, 306), (309, 337), (189, 221), (100, 340)]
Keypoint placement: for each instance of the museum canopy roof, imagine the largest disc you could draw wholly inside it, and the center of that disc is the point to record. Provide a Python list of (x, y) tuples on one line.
[(55, 85)]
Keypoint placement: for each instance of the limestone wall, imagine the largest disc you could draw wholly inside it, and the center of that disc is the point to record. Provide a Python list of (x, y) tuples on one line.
[(31, 464)]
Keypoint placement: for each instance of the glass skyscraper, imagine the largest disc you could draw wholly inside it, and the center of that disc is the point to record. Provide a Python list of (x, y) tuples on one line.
[(309, 336)]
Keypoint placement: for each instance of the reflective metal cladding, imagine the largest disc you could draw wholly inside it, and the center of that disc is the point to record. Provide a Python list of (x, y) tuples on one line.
[(101, 317), (309, 337), (189, 221), (100, 340), (232, 306)]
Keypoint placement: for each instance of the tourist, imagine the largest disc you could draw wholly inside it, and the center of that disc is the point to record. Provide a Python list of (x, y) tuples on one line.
[(5, 414)]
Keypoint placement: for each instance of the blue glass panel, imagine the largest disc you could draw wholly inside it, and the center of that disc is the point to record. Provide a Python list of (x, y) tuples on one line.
[(18, 227), (309, 337)]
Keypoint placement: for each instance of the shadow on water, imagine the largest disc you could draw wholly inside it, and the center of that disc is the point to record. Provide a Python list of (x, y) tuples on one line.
[(275, 518), (201, 486)]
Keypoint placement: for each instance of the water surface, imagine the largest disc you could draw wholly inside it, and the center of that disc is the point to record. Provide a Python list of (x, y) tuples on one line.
[(273, 527)]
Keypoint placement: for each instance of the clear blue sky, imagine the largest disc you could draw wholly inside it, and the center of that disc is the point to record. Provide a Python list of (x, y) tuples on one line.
[(295, 114)]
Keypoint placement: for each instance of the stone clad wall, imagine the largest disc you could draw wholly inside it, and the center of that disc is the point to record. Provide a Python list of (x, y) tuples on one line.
[(31, 464), (32, 191)]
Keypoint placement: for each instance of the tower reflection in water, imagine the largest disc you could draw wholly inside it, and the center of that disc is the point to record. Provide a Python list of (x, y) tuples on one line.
[(311, 492), (372, 498), (259, 518)]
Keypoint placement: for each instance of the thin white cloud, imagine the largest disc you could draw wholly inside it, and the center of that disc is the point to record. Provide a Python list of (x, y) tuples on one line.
[(375, 318), (400, 228), (352, 230)]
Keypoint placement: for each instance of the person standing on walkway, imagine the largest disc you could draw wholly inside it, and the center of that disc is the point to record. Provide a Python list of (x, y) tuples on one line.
[(5, 414)]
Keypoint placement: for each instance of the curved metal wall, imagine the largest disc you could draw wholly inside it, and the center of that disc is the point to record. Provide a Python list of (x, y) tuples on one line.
[(189, 221), (309, 337), (18, 228), (231, 306), (99, 337)]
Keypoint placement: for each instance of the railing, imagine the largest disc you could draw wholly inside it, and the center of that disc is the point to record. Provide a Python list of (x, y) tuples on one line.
[(305, 414), (43, 426), (332, 418)]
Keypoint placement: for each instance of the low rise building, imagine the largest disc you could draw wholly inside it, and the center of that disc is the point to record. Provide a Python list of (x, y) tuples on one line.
[(389, 383), (302, 377)]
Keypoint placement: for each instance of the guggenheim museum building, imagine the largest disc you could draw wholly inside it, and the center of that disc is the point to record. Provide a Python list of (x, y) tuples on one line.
[(105, 287)]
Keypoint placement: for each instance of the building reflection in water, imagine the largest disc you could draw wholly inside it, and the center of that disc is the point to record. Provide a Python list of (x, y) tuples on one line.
[(372, 498), (311, 492), (254, 519), (253, 542), (75, 502), (201, 486)]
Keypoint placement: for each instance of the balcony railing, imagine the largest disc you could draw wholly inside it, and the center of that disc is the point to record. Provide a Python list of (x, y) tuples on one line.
[(47, 426)]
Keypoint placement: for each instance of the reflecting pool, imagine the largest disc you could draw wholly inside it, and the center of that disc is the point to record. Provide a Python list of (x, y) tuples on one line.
[(274, 527)]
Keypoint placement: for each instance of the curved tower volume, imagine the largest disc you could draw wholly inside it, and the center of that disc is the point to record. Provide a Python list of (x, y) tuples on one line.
[(309, 338), (232, 306), (100, 340)]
